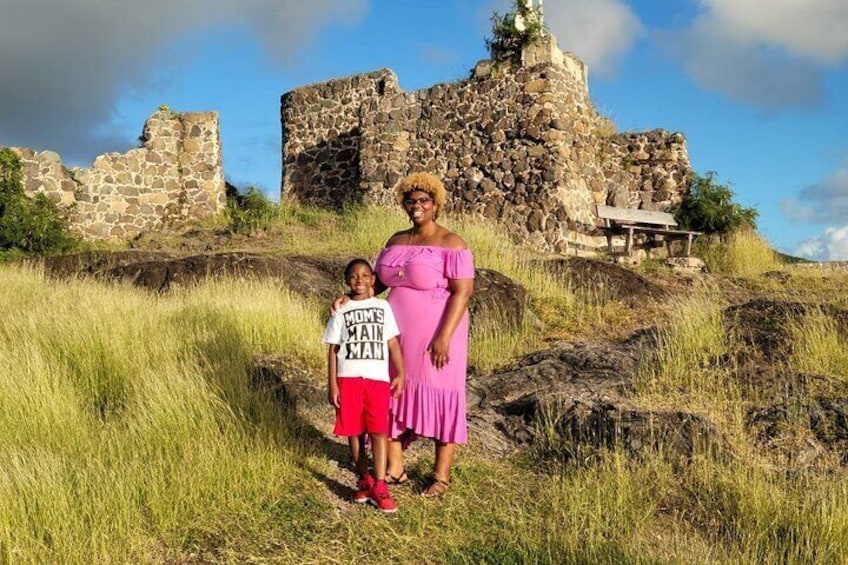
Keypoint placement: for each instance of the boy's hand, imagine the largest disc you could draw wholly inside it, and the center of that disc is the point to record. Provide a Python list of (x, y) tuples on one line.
[(333, 394), (396, 386)]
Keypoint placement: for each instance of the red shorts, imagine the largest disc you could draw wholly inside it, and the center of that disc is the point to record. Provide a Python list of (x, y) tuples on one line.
[(363, 407)]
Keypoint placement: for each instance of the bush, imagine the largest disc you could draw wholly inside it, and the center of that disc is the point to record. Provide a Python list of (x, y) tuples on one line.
[(29, 225), (250, 211), (708, 207)]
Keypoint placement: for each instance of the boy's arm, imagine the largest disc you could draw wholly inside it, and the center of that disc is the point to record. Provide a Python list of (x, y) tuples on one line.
[(396, 357), (332, 375)]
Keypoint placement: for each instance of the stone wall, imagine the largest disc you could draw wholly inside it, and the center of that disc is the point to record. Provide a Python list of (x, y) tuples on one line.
[(646, 170), (324, 164), (176, 175), (521, 146)]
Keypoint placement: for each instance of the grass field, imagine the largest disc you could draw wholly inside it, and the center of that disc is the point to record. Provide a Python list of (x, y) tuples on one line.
[(131, 432)]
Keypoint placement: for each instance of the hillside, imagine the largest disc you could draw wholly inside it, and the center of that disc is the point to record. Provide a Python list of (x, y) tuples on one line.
[(175, 411)]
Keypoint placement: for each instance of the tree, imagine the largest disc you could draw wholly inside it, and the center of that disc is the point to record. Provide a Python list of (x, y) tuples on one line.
[(31, 225), (708, 207)]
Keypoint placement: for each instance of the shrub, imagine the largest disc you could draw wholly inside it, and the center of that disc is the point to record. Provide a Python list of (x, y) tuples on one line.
[(30, 225), (250, 211), (708, 207)]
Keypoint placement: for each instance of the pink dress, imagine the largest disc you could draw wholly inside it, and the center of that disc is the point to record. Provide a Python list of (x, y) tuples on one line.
[(433, 402)]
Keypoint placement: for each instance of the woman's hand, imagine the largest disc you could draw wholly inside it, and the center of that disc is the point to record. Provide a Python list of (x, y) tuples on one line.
[(338, 303), (439, 352)]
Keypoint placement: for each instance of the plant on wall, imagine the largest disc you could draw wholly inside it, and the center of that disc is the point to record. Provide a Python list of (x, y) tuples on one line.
[(513, 30)]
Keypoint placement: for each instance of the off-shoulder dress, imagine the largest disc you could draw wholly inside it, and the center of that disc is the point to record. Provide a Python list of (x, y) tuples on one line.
[(433, 401)]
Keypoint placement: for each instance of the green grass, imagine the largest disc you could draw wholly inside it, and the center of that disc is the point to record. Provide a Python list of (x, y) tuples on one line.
[(130, 431), (744, 254), (819, 346)]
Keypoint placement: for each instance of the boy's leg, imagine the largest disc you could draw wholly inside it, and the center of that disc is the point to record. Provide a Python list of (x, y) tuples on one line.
[(358, 454), (380, 495), (378, 446)]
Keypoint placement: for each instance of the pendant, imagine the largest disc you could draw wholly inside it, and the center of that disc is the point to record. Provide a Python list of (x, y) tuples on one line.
[(400, 273)]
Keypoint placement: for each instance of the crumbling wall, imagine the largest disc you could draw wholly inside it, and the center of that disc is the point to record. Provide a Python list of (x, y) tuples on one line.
[(322, 131), (175, 176)]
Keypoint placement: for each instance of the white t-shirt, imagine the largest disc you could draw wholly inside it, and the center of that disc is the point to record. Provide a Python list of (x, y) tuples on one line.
[(362, 330)]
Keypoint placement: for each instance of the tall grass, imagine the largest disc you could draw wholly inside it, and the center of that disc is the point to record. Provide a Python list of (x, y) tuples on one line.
[(688, 349), (744, 254), (818, 345), (128, 430)]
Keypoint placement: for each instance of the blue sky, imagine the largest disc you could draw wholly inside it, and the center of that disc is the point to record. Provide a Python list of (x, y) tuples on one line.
[(759, 87)]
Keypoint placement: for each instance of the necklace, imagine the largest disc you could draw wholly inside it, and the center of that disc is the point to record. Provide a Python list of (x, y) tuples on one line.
[(408, 242)]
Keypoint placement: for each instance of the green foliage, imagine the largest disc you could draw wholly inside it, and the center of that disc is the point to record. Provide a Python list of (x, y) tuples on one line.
[(507, 41), (29, 225), (708, 207), (250, 211)]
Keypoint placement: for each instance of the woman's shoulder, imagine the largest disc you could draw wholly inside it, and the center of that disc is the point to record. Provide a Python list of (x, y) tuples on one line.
[(398, 237), (452, 241)]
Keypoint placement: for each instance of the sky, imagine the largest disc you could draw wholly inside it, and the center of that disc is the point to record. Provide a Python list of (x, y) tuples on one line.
[(758, 87)]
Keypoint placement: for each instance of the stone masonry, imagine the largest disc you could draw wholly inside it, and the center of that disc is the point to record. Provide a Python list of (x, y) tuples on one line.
[(176, 175), (521, 146)]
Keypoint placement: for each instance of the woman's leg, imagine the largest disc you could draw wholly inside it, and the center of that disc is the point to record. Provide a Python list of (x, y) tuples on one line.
[(444, 460), (441, 470), (394, 465)]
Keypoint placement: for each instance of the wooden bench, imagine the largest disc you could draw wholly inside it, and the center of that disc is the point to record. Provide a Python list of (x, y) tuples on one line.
[(658, 226)]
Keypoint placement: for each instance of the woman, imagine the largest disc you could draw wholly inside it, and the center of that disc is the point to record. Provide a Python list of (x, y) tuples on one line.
[(430, 271)]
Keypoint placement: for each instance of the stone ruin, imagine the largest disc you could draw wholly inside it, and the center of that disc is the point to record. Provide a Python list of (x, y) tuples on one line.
[(522, 146), (176, 175)]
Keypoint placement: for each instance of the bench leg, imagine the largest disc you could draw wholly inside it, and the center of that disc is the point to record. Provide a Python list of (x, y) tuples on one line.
[(609, 244), (688, 249), (629, 242)]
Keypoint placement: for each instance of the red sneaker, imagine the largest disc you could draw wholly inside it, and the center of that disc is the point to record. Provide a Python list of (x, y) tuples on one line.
[(381, 498), (363, 489)]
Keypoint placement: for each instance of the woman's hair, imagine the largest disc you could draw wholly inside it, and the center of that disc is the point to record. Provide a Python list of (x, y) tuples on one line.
[(425, 182), (356, 262)]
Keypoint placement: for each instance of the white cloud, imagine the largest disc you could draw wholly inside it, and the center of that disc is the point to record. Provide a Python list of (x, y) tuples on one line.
[(832, 245), (64, 64), (825, 202), (599, 32), (767, 55), (746, 72), (815, 29)]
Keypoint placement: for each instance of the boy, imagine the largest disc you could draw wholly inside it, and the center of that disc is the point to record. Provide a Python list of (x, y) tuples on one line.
[(362, 338)]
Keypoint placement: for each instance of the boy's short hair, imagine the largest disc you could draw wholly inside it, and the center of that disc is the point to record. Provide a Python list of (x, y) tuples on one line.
[(355, 262)]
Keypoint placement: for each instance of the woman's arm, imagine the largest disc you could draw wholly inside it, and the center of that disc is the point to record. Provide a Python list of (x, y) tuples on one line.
[(460, 293)]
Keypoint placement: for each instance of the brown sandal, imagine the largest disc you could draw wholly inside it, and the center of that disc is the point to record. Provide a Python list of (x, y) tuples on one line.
[(435, 488), (400, 480)]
